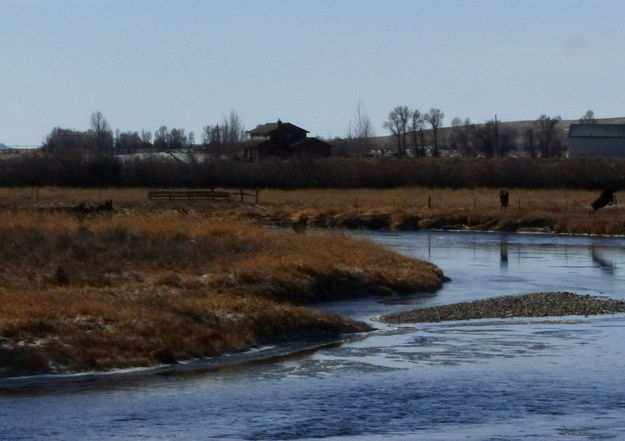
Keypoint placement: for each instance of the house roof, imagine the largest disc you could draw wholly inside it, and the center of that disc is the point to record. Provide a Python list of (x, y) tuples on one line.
[(597, 131), (311, 142), (266, 129)]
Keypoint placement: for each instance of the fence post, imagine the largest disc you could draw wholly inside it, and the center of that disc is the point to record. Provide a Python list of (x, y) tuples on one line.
[(256, 197)]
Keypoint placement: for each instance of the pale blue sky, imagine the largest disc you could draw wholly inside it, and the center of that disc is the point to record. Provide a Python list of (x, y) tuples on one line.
[(187, 63)]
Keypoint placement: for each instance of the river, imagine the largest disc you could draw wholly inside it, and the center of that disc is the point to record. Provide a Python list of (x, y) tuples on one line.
[(512, 379)]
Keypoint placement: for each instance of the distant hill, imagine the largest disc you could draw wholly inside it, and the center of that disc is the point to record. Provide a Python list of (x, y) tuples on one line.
[(4, 147)]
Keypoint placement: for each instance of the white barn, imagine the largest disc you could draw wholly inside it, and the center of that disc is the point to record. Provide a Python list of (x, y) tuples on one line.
[(597, 140)]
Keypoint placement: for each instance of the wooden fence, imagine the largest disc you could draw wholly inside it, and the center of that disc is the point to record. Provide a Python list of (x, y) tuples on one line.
[(211, 194)]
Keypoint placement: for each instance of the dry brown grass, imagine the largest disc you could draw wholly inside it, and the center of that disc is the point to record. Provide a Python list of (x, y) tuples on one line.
[(145, 286), (562, 211), (59, 330)]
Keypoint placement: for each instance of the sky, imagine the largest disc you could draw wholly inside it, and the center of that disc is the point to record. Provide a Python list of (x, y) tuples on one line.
[(189, 63)]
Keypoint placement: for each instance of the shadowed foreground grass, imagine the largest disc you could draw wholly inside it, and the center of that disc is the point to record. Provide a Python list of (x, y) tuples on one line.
[(143, 289), (529, 305)]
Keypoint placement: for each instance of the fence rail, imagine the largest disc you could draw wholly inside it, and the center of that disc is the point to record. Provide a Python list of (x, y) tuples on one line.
[(202, 194)]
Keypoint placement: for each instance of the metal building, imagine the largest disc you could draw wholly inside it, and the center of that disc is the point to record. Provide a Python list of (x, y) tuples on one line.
[(597, 140)]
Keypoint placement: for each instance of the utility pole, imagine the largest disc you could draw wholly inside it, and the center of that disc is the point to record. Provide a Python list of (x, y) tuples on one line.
[(497, 136)]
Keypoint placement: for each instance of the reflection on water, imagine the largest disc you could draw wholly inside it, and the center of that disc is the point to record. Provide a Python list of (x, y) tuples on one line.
[(485, 265), (503, 254), (608, 266), (513, 379)]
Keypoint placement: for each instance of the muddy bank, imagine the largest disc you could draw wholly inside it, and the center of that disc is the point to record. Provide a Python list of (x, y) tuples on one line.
[(68, 382), (424, 221), (529, 305)]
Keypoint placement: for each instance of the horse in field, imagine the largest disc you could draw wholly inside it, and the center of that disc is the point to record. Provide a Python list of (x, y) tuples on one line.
[(504, 198), (605, 198)]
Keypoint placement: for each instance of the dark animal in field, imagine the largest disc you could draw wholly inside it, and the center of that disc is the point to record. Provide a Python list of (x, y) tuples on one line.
[(605, 198), (300, 225), (504, 198), (83, 208)]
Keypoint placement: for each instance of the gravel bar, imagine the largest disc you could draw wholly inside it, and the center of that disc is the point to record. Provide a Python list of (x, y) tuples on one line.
[(529, 305)]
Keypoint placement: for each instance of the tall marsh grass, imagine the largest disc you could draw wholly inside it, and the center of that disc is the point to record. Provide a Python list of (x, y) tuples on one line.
[(143, 288)]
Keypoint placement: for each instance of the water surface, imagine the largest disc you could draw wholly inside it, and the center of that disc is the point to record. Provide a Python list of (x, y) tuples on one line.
[(513, 379)]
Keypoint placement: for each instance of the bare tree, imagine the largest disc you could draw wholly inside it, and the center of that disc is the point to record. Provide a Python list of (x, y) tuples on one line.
[(494, 139), (212, 137), (146, 137), (397, 124), (588, 118), (435, 118), (160, 138), (127, 142), (233, 129), (227, 135), (68, 141), (207, 135), (461, 134), (548, 141), (176, 139), (360, 131), (416, 127), (486, 138), (454, 136), (102, 134), (506, 136), (529, 142)]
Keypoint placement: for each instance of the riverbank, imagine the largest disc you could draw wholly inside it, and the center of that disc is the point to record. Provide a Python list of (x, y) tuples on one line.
[(131, 289), (67, 382), (563, 211), (529, 305), (419, 208)]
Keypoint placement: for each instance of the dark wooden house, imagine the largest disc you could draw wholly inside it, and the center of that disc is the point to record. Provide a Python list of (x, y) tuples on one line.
[(284, 140)]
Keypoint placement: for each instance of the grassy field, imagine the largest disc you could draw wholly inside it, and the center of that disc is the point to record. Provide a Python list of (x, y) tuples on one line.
[(142, 285), (560, 211), (407, 208)]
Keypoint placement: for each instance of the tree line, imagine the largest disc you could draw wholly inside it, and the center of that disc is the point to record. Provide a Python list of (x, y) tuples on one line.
[(414, 133), (491, 139), (100, 140)]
